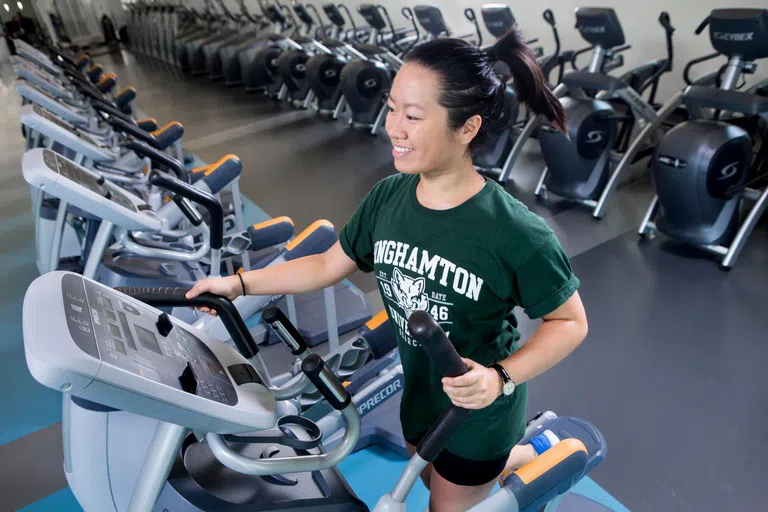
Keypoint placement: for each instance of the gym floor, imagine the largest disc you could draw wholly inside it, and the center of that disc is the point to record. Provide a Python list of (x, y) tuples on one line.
[(672, 371)]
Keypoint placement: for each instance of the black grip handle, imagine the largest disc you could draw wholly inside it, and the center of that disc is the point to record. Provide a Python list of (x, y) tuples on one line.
[(285, 330), (111, 110), (702, 26), (176, 297), (188, 210), (435, 439), (549, 17), (326, 382), (432, 338), (129, 128), (424, 329), (196, 196), (159, 157), (666, 22)]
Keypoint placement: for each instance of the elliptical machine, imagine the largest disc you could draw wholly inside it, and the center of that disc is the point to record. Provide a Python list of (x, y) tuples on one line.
[(706, 169)]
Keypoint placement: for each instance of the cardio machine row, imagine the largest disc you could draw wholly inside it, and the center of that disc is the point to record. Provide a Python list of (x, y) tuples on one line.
[(344, 69), (164, 410)]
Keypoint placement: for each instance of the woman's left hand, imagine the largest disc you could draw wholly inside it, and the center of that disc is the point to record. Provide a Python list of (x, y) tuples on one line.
[(476, 389)]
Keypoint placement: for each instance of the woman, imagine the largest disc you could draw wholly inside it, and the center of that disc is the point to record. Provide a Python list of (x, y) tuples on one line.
[(442, 238)]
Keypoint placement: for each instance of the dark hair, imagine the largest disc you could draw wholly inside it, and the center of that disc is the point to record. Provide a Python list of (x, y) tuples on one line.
[(471, 84)]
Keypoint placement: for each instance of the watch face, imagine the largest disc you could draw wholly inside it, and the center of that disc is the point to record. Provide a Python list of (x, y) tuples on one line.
[(509, 388)]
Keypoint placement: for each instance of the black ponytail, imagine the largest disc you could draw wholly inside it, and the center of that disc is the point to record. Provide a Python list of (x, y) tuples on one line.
[(471, 85), (530, 83)]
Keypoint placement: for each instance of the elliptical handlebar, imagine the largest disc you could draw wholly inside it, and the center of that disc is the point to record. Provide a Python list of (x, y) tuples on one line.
[(549, 17), (469, 13), (666, 22), (704, 58), (704, 24), (407, 12)]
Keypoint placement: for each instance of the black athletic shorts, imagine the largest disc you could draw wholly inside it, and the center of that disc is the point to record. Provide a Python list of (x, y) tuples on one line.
[(461, 471)]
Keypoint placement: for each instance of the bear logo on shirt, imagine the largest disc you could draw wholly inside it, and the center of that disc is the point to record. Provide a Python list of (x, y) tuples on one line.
[(409, 293)]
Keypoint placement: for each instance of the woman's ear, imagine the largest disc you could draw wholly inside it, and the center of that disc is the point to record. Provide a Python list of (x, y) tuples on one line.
[(470, 129)]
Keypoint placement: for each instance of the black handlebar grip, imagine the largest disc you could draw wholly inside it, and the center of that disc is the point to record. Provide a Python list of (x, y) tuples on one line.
[(432, 338), (285, 330), (702, 26), (159, 157), (549, 17), (435, 439), (113, 111), (129, 128), (666, 22), (325, 382), (176, 297), (196, 196), (188, 210)]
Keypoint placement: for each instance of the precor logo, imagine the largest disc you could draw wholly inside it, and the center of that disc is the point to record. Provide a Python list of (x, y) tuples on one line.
[(594, 137), (729, 171), (375, 400), (593, 30), (734, 36)]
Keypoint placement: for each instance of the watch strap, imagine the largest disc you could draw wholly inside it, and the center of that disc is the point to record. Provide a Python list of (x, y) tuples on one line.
[(502, 372)]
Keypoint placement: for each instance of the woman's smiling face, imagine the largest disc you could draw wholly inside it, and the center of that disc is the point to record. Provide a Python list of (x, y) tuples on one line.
[(417, 124)]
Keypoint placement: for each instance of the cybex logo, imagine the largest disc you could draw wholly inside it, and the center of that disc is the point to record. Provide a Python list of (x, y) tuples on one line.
[(376, 400), (594, 137), (330, 73), (371, 83), (673, 162), (734, 36), (495, 24), (593, 30), (273, 62), (300, 68), (729, 171)]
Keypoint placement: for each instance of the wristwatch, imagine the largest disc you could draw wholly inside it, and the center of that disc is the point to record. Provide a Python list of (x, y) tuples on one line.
[(507, 386)]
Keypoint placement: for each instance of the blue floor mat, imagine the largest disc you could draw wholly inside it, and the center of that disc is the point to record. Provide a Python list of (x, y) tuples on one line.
[(61, 501), (359, 469)]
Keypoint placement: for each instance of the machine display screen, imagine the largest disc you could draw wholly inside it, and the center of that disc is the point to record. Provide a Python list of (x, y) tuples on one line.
[(62, 124), (147, 339)]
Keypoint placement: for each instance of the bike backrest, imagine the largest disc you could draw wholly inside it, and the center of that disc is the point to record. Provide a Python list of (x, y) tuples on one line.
[(303, 14), (372, 16), (600, 26), (333, 14), (431, 19), (742, 32), (498, 18)]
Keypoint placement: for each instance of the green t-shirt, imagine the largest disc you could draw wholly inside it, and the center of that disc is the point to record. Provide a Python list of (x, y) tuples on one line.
[(469, 267)]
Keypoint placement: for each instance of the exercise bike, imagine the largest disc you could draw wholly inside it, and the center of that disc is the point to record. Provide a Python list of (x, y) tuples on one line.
[(709, 168), (603, 112)]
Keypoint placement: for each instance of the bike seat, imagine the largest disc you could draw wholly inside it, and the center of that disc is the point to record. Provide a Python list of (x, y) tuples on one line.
[(218, 175), (271, 232), (148, 125), (168, 134), (125, 96), (107, 83), (370, 49)]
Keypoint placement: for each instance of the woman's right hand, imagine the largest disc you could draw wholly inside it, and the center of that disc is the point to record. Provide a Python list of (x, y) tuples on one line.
[(228, 287)]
